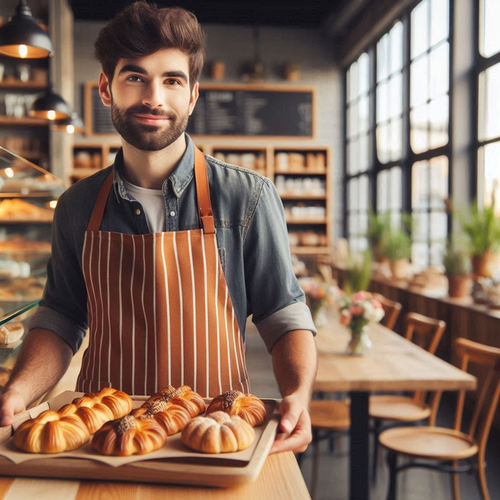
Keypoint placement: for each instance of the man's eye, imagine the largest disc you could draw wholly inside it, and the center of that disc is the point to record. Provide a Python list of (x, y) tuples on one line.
[(134, 79), (173, 81)]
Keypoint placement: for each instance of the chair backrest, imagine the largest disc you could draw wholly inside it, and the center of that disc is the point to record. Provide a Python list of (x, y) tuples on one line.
[(423, 331), (391, 310), (488, 391), (426, 333)]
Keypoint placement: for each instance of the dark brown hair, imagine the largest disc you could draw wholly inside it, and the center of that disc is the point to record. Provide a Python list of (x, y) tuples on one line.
[(142, 28)]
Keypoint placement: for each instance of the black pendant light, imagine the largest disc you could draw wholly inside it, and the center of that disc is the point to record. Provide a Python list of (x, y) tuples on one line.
[(50, 106), (70, 125), (23, 38)]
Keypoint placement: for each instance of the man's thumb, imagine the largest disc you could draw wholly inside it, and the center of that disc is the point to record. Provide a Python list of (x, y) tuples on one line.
[(289, 417)]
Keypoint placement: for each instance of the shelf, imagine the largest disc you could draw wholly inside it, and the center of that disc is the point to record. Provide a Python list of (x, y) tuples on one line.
[(306, 221), (299, 172), (18, 84), (301, 197), (310, 250), (25, 221), (27, 121), (36, 194)]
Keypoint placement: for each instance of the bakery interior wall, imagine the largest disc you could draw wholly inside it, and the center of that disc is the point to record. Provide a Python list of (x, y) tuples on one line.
[(234, 45)]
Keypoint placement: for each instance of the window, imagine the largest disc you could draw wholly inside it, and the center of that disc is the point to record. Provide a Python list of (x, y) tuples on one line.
[(389, 122), (410, 131), (358, 151), (489, 105), (429, 125)]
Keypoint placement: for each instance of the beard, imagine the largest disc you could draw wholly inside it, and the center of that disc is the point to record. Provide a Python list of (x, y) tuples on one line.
[(148, 137)]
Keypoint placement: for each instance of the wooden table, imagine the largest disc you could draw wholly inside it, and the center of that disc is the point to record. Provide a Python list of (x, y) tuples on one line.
[(279, 478), (394, 364)]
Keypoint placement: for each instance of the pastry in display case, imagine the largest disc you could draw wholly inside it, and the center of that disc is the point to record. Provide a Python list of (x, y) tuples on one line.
[(28, 196)]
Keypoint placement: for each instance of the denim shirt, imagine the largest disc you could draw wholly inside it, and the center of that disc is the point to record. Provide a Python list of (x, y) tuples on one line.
[(251, 237)]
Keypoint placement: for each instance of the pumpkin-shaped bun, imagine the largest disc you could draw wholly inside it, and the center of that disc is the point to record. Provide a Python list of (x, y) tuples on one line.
[(95, 409), (247, 406), (51, 432), (218, 433), (129, 436)]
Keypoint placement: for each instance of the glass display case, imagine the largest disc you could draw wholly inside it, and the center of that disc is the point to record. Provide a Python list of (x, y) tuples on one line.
[(28, 197)]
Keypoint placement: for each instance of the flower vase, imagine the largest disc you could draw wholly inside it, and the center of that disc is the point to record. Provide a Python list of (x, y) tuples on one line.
[(360, 343)]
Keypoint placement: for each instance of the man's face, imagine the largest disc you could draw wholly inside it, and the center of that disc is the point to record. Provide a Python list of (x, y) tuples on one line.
[(150, 98)]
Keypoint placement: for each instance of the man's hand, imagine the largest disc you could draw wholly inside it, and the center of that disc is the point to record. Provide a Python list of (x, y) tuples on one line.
[(295, 426), (11, 402)]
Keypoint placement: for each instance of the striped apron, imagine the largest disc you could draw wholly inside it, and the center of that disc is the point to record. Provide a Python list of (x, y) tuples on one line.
[(159, 308)]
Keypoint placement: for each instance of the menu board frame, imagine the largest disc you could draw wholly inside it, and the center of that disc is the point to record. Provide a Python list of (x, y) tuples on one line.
[(90, 129)]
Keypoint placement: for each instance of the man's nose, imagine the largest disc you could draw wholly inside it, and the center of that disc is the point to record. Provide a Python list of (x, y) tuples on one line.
[(153, 96)]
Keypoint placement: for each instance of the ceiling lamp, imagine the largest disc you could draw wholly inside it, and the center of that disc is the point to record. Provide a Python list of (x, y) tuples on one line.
[(23, 38), (50, 106), (70, 125)]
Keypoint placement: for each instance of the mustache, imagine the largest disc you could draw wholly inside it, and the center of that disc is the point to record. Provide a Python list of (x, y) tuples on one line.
[(145, 110)]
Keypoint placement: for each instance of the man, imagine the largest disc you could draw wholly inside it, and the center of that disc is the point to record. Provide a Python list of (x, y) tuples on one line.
[(164, 255)]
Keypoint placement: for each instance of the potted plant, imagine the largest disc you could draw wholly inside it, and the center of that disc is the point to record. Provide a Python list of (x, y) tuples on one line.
[(397, 248), (482, 228), (378, 228), (457, 269), (359, 273)]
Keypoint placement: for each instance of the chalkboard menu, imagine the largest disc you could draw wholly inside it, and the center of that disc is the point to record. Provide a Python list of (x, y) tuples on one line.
[(244, 110), (97, 116), (229, 110)]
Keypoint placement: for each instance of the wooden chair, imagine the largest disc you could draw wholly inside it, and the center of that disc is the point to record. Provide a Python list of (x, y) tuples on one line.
[(326, 416), (391, 310), (427, 333), (446, 447)]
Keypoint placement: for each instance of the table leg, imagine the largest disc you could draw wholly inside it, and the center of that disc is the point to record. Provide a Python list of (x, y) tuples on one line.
[(359, 447)]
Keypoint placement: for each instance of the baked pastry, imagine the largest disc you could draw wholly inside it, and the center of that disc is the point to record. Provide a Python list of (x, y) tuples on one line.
[(20, 210), (184, 396), (129, 436), (218, 433), (11, 332), (247, 406), (95, 409), (172, 417), (51, 432)]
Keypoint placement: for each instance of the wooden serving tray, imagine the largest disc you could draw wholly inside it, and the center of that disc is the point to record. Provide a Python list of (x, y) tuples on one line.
[(188, 468)]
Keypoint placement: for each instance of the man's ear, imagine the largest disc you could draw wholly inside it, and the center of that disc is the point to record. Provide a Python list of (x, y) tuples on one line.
[(104, 89), (194, 97)]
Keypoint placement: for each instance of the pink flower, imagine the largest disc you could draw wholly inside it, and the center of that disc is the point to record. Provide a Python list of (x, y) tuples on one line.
[(359, 296), (345, 318), (376, 304), (356, 310)]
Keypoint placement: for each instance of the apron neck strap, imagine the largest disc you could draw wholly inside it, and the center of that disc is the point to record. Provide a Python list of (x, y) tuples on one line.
[(202, 193), (100, 204)]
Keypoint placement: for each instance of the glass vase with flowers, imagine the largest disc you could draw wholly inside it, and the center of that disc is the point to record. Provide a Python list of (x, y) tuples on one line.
[(356, 312), (318, 295)]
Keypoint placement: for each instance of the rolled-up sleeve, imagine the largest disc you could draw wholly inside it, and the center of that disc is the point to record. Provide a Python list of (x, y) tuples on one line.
[(63, 309), (274, 295)]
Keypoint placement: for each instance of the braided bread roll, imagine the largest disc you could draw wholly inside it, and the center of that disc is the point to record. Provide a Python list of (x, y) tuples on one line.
[(129, 436), (183, 396), (247, 406), (218, 433), (172, 417), (51, 432), (95, 409)]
